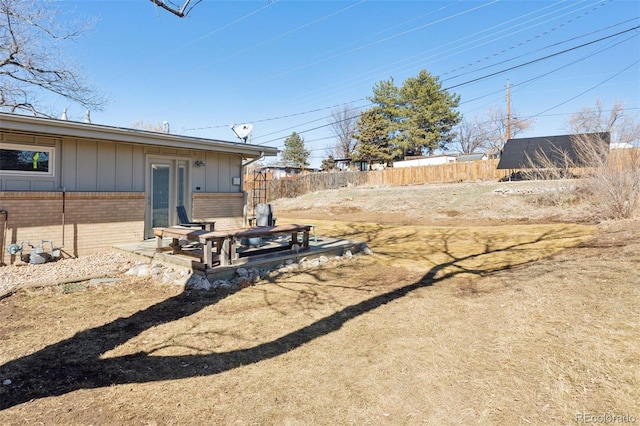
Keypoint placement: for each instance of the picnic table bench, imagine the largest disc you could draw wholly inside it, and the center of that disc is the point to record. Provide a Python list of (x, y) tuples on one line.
[(226, 240)]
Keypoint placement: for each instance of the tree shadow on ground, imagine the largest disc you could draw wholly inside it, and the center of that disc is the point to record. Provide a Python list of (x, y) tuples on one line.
[(76, 363)]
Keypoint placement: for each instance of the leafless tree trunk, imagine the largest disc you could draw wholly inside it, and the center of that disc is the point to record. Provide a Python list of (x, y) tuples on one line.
[(469, 137), (343, 125), (179, 10), (623, 127), (31, 61), (495, 128)]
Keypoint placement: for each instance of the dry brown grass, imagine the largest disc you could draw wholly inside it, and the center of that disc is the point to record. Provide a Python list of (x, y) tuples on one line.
[(460, 325)]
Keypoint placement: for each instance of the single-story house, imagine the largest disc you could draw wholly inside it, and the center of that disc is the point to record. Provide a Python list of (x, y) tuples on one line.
[(278, 171), (477, 156), (426, 161), (86, 187), (620, 145), (347, 164)]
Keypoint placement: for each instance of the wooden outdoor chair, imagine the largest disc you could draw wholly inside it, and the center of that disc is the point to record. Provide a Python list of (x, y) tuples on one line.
[(183, 220)]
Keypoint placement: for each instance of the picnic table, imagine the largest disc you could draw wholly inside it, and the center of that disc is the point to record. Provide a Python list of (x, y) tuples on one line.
[(226, 241)]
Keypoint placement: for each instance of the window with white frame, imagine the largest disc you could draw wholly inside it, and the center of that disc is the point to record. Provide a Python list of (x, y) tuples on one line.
[(26, 160)]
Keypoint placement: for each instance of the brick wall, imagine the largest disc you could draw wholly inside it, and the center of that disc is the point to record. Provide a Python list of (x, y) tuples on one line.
[(225, 208), (93, 221)]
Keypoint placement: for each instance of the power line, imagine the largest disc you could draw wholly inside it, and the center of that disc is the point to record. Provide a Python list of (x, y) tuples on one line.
[(538, 77), (504, 61), (381, 40), (492, 34), (541, 59), (282, 35), (588, 90), (284, 116), (217, 30), (541, 49), (498, 72)]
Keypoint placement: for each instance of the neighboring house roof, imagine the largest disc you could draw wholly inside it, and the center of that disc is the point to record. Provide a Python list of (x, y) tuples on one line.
[(350, 160), (621, 145), (526, 153), (472, 157), (287, 169), (426, 161), (27, 125)]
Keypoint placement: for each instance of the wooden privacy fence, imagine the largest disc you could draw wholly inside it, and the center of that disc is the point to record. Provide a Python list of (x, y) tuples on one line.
[(468, 171)]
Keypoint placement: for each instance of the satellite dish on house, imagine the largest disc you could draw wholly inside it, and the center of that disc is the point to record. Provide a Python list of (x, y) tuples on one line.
[(242, 131)]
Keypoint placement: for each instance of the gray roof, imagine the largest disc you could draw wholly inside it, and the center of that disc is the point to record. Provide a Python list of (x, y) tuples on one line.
[(472, 157), (24, 124), (526, 153)]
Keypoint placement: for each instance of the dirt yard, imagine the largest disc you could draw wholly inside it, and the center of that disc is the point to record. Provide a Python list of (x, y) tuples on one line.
[(482, 303)]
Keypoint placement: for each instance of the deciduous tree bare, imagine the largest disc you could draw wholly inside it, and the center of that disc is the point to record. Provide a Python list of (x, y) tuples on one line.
[(469, 137), (495, 128), (180, 10), (610, 178), (613, 186), (151, 127), (623, 127), (31, 62), (343, 125)]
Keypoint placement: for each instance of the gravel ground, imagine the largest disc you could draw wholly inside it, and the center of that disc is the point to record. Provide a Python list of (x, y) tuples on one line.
[(108, 263)]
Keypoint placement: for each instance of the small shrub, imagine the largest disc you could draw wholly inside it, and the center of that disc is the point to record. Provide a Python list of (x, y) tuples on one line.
[(562, 195), (609, 179), (613, 188)]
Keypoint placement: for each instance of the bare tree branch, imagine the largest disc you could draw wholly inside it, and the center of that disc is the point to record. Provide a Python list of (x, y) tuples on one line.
[(180, 11), (469, 137), (495, 128), (343, 126), (622, 125), (613, 186), (31, 62)]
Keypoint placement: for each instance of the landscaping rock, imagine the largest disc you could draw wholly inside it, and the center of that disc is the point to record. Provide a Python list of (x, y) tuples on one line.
[(198, 282)]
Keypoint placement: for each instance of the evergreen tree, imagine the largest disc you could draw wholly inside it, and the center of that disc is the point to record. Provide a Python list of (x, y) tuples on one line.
[(415, 118), (294, 151), (373, 137), (328, 164), (428, 113)]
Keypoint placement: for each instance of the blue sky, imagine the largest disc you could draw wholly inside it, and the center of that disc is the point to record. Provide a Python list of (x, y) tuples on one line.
[(285, 65)]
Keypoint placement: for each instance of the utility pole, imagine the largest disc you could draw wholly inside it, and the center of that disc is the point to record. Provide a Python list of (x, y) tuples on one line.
[(508, 111)]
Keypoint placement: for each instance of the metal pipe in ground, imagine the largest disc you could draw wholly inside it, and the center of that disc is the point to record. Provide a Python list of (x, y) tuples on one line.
[(3, 229)]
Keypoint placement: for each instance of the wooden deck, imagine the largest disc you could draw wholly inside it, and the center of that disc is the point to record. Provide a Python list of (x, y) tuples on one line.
[(225, 242)]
